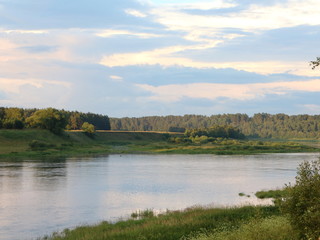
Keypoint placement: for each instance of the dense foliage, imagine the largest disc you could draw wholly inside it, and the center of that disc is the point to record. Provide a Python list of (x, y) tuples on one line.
[(76, 120), (88, 128), (260, 125), (303, 201), (51, 119), (215, 132)]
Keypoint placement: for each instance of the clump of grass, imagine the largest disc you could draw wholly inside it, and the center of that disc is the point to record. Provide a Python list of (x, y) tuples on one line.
[(276, 194), (142, 214), (244, 195)]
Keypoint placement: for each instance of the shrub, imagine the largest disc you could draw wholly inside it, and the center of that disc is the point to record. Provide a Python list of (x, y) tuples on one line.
[(13, 124), (200, 140), (88, 128), (302, 203), (142, 214)]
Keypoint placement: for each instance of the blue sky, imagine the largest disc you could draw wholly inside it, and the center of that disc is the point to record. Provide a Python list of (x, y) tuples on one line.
[(160, 57)]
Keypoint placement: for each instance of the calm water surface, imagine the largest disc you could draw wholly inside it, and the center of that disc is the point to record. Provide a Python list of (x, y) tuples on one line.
[(39, 197)]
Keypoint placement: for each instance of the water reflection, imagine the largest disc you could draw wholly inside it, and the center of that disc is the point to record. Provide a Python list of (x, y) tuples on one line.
[(44, 196), (49, 175), (10, 176)]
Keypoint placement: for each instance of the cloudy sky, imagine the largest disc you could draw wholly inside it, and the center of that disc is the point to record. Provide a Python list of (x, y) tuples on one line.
[(161, 57)]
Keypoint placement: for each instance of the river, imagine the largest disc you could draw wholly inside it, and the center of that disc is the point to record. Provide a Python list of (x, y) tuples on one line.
[(40, 197)]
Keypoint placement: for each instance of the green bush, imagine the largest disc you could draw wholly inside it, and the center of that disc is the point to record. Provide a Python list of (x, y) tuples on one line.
[(302, 203), (88, 128), (13, 124), (142, 214)]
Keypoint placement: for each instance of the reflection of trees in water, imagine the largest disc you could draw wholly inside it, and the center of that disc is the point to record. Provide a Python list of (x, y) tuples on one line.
[(50, 174), (11, 169), (11, 174)]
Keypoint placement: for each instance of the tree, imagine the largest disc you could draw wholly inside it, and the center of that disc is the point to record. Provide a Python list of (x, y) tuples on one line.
[(88, 128), (75, 121), (316, 63), (13, 118), (302, 203), (50, 119)]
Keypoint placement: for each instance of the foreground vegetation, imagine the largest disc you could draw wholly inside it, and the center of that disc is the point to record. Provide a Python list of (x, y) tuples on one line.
[(188, 224), (37, 143)]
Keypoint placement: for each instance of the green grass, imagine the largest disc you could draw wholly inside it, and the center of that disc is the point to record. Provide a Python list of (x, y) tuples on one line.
[(170, 226), (270, 228), (278, 193), (240, 147), (15, 144)]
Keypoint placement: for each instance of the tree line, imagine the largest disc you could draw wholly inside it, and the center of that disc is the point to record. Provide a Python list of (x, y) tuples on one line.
[(262, 125), (205, 135), (216, 132), (51, 119)]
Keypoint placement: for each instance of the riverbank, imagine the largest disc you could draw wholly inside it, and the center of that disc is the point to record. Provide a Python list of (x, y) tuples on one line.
[(196, 223), (33, 143)]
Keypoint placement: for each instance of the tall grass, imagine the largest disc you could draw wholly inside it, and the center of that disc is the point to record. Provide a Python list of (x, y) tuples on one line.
[(270, 228), (170, 226)]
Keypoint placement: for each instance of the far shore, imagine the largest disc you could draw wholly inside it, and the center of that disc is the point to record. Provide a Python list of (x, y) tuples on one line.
[(35, 144)]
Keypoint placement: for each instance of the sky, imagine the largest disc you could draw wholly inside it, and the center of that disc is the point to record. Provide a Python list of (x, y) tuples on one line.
[(129, 58)]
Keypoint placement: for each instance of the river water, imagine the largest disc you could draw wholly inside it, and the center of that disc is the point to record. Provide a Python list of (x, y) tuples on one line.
[(40, 197)]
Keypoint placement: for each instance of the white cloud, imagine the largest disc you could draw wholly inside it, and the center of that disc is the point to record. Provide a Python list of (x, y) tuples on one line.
[(13, 85), (58, 44), (200, 5), (37, 93), (116, 78), (17, 31), (162, 56), (212, 91), (207, 32), (135, 13), (110, 33), (179, 33), (255, 18), (170, 56)]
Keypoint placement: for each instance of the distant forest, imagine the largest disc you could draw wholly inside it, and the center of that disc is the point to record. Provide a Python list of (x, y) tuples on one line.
[(261, 125), (18, 118)]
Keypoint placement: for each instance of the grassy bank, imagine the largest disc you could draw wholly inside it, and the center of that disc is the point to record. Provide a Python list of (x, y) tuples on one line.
[(33, 143), (192, 223)]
